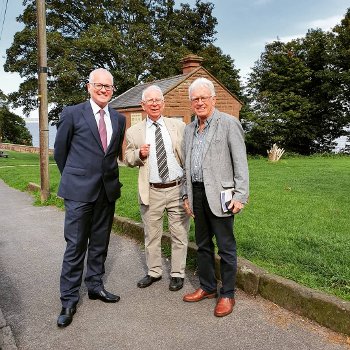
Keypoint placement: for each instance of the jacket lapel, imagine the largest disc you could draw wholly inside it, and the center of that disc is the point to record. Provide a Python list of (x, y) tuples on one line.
[(172, 131), (212, 130), (115, 127), (91, 122), (189, 143), (142, 132)]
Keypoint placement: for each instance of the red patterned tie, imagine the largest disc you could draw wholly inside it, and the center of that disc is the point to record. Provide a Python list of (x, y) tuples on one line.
[(102, 130)]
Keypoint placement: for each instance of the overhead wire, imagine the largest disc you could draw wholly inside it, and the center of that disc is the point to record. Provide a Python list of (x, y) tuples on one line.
[(3, 21)]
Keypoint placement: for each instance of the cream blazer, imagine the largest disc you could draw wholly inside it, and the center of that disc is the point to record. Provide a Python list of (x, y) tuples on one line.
[(136, 137)]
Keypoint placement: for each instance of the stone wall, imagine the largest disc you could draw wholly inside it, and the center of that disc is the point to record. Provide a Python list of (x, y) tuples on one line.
[(22, 148)]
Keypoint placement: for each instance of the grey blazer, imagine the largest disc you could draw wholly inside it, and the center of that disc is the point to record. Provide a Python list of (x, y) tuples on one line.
[(224, 161)]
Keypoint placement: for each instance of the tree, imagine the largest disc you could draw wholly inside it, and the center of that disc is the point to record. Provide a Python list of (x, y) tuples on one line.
[(278, 107), (136, 40), (341, 56), (297, 96), (342, 62), (12, 127)]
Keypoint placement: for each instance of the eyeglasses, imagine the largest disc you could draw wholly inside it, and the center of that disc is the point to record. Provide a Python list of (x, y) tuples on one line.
[(151, 101), (203, 99), (99, 86)]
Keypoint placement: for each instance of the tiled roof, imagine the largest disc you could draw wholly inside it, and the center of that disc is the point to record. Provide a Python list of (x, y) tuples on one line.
[(132, 97)]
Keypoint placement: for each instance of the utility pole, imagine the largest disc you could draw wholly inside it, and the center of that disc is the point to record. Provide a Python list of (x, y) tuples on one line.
[(42, 97)]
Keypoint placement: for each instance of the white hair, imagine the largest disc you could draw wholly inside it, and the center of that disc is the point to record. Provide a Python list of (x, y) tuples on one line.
[(152, 87), (98, 70), (201, 82)]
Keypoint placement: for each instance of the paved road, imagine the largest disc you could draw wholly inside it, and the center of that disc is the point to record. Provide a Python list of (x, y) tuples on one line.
[(31, 248)]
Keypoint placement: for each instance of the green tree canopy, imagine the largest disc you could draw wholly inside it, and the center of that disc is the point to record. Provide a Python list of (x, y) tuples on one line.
[(341, 57), (12, 127), (298, 93), (136, 40)]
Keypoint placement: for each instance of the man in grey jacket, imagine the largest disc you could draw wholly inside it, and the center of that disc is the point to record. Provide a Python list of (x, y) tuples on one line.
[(215, 161)]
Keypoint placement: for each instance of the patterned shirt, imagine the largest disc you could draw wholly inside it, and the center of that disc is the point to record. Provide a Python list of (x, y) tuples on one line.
[(198, 146)]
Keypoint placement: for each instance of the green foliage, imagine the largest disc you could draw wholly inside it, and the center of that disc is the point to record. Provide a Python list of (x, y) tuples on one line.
[(341, 55), (299, 93), (12, 127), (296, 223), (136, 40)]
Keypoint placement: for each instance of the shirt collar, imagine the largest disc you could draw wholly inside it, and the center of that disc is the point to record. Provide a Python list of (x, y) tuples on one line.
[(206, 122), (96, 108), (149, 121)]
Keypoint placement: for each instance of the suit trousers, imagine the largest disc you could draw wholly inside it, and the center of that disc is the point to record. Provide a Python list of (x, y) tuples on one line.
[(169, 200), (207, 225), (87, 227)]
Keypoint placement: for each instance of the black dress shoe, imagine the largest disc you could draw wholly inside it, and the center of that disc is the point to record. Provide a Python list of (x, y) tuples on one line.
[(66, 316), (104, 296), (176, 283), (147, 281)]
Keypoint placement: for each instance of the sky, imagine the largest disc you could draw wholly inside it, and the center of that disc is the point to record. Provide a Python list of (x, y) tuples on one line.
[(244, 27)]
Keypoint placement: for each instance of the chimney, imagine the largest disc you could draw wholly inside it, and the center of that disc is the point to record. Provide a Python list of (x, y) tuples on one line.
[(190, 63)]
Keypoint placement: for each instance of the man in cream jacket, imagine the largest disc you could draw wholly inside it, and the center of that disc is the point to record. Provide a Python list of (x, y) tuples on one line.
[(158, 192)]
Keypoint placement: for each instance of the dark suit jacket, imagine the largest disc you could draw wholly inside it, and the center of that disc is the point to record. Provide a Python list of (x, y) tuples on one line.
[(79, 154)]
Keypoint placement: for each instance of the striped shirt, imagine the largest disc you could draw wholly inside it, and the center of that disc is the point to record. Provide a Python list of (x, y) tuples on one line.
[(198, 145), (175, 170)]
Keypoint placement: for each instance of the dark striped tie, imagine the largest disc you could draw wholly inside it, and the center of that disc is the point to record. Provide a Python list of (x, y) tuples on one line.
[(161, 154)]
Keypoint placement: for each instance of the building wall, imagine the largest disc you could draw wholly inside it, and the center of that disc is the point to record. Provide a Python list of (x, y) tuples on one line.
[(130, 115), (178, 104)]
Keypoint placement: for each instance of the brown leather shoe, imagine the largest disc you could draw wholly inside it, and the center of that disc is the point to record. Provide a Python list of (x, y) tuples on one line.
[(224, 307), (199, 295)]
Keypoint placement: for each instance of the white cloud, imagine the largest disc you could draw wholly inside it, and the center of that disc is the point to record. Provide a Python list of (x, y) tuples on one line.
[(325, 24)]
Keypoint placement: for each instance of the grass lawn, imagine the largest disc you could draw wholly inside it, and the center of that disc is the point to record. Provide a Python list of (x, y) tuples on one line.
[(297, 222)]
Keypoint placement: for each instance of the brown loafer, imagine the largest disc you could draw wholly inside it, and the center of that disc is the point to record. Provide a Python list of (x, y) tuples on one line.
[(224, 307), (199, 295)]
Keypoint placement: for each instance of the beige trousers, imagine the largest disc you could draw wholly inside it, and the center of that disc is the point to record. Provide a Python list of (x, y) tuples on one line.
[(169, 200)]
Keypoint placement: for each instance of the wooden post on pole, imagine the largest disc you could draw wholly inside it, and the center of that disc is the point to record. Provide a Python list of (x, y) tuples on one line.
[(43, 108)]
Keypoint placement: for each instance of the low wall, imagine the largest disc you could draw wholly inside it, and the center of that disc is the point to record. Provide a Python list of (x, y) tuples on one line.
[(22, 148), (327, 310)]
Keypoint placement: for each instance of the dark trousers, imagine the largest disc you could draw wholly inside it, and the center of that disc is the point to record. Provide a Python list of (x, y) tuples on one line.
[(87, 227), (207, 225)]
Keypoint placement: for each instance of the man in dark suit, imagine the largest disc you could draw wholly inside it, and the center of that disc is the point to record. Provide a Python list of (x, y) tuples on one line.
[(88, 142)]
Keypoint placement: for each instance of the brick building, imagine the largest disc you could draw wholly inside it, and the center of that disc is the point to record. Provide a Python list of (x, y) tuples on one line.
[(175, 91)]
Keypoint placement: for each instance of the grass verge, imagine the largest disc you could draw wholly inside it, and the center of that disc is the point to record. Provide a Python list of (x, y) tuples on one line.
[(296, 224)]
